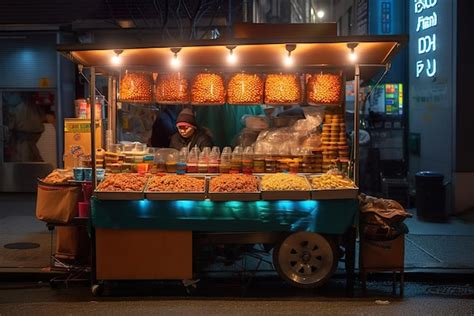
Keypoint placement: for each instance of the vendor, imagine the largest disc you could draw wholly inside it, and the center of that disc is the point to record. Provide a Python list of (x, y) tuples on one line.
[(189, 134)]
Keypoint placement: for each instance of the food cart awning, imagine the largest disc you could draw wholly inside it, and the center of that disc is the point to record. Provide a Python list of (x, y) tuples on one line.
[(262, 55)]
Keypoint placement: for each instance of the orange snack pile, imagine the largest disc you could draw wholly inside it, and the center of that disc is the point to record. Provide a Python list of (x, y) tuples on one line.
[(172, 88), (123, 182), (176, 183), (235, 183), (282, 89), (137, 87), (245, 89), (324, 89), (57, 177), (208, 89)]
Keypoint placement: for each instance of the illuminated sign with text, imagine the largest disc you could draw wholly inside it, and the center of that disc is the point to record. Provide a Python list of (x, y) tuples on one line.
[(426, 23)]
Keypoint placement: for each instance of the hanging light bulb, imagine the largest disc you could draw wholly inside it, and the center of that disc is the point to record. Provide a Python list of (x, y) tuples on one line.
[(231, 58), (352, 53), (288, 61), (320, 14), (116, 59), (175, 62)]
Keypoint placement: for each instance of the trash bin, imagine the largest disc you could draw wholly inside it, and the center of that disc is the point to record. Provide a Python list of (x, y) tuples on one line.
[(430, 195)]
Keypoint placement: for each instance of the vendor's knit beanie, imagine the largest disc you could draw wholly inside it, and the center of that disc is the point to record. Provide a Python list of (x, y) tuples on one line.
[(186, 116)]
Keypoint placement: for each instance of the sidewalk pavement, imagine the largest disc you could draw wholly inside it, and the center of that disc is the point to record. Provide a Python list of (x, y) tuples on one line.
[(430, 247)]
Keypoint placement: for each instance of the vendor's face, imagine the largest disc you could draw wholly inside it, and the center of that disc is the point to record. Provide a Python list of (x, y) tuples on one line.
[(186, 131)]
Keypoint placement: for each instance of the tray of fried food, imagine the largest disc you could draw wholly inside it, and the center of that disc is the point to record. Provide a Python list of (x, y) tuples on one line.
[(176, 187), (234, 187), (59, 177), (122, 186), (332, 186), (285, 186)]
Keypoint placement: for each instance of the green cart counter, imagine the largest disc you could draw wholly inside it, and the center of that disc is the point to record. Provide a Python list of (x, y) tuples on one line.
[(325, 216)]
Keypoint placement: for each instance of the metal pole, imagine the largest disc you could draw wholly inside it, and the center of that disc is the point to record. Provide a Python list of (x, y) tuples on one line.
[(355, 140), (113, 105), (108, 133), (109, 107), (92, 111)]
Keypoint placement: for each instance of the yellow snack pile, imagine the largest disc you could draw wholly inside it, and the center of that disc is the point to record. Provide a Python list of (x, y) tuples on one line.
[(331, 181), (284, 182)]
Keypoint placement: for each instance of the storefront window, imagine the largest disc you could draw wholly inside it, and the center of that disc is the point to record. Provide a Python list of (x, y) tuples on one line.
[(28, 120)]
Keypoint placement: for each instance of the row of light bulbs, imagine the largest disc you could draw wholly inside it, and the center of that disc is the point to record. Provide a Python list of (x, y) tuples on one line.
[(288, 61)]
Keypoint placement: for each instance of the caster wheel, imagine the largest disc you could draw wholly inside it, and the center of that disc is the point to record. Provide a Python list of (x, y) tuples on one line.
[(97, 290), (305, 260)]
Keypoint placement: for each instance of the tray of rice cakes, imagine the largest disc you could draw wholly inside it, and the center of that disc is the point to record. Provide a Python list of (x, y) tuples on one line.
[(234, 187), (122, 186), (285, 186), (176, 187), (332, 187)]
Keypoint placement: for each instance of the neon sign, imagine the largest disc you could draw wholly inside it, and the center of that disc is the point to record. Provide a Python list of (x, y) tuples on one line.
[(426, 23)]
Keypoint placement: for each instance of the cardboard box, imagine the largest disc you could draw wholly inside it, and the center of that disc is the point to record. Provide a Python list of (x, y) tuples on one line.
[(382, 254)]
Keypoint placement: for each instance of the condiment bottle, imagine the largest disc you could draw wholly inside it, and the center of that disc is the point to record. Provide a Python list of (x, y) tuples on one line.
[(203, 161), (236, 162), (270, 164), (193, 158), (247, 160), (213, 166), (225, 161), (182, 158), (258, 163)]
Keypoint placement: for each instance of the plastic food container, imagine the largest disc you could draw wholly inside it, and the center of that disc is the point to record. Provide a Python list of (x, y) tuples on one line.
[(208, 89), (136, 87), (282, 89), (324, 89), (245, 89), (172, 89)]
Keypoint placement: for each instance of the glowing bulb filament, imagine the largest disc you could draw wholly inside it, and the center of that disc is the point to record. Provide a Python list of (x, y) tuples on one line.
[(288, 60), (175, 62), (116, 60), (352, 55), (231, 58)]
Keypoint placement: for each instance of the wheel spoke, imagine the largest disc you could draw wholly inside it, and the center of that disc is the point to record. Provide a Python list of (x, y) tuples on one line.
[(307, 269), (315, 262), (298, 266), (294, 257)]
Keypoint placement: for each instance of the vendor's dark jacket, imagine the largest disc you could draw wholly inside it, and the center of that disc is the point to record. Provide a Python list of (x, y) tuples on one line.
[(201, 138)]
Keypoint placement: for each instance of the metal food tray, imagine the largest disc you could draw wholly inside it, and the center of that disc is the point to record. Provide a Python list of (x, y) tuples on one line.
[(230, 196), (295, 195), (170, 196), (335, 194), (119, 195)]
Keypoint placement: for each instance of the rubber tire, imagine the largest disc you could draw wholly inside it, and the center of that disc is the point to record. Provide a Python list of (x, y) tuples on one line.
[(276, 265)]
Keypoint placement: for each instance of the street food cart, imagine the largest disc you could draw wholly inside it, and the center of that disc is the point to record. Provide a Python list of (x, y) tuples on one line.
[(147, 235)]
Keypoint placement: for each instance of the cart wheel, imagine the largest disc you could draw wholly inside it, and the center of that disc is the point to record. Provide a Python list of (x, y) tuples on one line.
[(97, 289), (305, 259)]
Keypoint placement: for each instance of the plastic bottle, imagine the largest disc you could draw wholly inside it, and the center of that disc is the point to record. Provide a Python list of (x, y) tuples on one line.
[(203, 161), (236, 162), (192, 161), (213, 166), (182, 158), (247, 160), (225, 161)]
